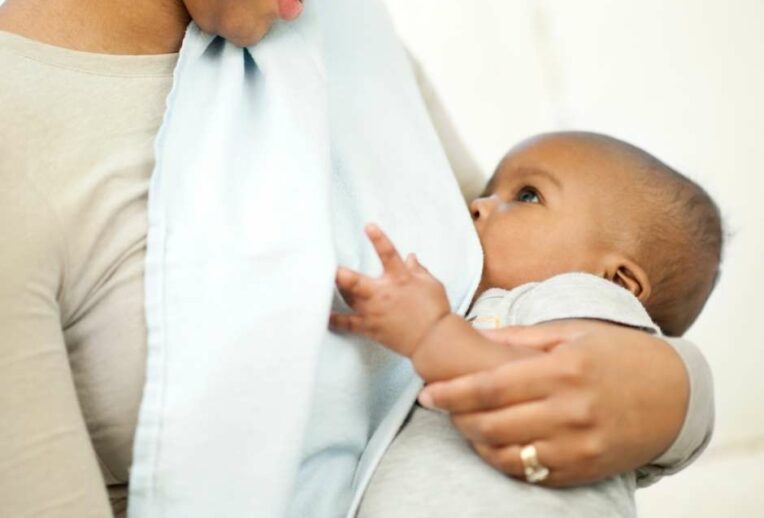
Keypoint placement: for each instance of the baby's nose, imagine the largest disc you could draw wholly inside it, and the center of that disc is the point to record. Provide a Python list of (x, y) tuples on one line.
[(482, 207)]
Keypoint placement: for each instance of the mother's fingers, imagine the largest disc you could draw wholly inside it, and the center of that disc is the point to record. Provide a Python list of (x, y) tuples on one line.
[(517, 424), (507, 460), (570, 460), (503, 458), (516, 382)]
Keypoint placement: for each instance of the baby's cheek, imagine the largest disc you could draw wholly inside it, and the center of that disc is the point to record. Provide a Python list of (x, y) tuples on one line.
[(500, 259)]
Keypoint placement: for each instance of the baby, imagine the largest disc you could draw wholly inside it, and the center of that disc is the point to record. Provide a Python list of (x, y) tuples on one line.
[(572, 225)]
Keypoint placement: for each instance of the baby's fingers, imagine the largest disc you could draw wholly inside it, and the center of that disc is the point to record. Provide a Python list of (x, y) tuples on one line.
[(346, 322), (391, 260), (413, 264), (353, 285)]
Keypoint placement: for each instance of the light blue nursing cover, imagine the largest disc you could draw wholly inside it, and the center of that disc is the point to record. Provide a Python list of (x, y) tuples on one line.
[(269, 162)]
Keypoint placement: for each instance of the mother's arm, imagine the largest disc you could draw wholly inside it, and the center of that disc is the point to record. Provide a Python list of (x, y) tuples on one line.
[(47, 463), (605, 400), (698, 424)]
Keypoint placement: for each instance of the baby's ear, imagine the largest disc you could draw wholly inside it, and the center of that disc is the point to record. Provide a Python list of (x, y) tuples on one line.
[(629, 275)]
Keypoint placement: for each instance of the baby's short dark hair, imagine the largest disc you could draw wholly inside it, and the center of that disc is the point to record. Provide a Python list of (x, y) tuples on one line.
[(678, 236)]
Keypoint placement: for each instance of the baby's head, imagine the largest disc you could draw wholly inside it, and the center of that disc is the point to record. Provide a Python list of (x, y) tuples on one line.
[(584, 202)]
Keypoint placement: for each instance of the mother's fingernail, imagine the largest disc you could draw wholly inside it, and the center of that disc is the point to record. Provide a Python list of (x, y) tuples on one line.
[(290, 9), (425, 399)]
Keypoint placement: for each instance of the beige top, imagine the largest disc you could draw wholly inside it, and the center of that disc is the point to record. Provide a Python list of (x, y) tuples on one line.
[(75, 159), (76, 153)]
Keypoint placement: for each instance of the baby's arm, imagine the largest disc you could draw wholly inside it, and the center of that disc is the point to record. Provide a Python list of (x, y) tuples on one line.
[(407, 310), (453, 348)]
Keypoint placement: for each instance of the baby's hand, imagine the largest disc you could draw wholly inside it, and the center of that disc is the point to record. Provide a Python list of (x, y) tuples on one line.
[(396, 309)]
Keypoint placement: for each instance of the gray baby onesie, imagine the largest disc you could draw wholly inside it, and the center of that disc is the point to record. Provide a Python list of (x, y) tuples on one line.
[(430, 471)]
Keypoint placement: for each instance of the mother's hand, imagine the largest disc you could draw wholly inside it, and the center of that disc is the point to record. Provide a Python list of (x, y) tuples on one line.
[(242, 22), (603, 400)]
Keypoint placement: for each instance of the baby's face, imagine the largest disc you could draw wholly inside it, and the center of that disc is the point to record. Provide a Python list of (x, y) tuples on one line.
[(543, 210)]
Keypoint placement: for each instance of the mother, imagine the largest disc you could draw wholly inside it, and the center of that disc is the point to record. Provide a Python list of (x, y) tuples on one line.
[(82, 97)]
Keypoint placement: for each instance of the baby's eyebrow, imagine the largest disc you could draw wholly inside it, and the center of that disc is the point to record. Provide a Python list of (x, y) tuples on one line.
[(537, 171), (488, 187)]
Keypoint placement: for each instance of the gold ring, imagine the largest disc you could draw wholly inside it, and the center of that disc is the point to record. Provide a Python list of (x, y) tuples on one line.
[(534, 470)]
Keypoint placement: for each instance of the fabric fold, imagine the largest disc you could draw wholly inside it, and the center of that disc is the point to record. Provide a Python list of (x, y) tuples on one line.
[(269, 162)]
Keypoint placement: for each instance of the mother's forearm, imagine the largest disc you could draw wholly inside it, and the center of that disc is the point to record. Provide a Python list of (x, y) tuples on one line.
[(698, 425)]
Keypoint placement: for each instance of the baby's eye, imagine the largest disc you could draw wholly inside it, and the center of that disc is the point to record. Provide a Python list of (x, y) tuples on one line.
[(528, 195)]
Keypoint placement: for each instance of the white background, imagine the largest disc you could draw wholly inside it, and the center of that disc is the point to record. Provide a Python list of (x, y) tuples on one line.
[(683, 79)]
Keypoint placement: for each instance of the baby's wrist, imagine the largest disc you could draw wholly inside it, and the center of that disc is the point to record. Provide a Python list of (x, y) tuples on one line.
[(423, 349)]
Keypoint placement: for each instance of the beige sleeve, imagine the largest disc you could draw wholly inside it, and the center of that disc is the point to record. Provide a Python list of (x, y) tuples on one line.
[(47, 463), (698, 423)]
